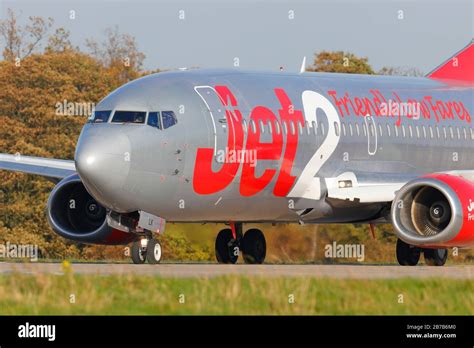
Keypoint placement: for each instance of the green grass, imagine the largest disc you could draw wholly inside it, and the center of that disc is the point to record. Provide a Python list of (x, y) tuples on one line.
[(107, 295)]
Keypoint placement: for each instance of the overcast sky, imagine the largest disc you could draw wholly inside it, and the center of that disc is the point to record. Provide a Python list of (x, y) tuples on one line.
[(269, 34)]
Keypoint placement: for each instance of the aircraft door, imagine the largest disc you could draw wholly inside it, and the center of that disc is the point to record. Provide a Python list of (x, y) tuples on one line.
[(371, 135), (216, 112)]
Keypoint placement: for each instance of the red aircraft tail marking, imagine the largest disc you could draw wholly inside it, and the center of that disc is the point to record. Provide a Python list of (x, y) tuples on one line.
[(459, 68)]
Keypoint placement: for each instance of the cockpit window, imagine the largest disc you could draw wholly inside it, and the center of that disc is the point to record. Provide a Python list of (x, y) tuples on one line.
[(154, 119), (101, 116), (129, 117), (169, 119)]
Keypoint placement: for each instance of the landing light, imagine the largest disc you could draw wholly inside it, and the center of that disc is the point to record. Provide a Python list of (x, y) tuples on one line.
[(344, 183)]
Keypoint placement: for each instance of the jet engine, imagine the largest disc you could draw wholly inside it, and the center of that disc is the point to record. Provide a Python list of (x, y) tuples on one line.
[(435, 211), (74, 214)]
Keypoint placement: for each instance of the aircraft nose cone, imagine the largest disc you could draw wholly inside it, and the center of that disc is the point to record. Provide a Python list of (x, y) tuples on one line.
[(103, 161)]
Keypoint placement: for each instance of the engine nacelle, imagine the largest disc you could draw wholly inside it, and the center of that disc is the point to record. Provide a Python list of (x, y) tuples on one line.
[(435, 211), (74, 214)]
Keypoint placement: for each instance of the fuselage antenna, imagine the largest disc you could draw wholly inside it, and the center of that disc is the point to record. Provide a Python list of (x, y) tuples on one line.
[(303, 65)]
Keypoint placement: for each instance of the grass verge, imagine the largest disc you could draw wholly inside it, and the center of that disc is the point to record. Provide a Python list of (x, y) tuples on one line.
[(230, 295)]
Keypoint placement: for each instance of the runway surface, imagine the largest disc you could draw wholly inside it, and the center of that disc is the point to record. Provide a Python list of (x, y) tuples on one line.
[(214, 270)]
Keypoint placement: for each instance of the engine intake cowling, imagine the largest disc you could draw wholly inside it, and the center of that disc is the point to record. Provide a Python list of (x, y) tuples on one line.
[(74, 214), (435, 211)]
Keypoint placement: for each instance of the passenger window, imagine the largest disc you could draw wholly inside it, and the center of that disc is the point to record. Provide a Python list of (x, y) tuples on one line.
[(244, 126), (403, 131), (350, 129), (410, 131), (300, 128), (101, 116), (388, 129), (169, 119), (323, 131), (253, 126), (343, 129), (431, 132), (284, 128), (292, 127), (154, 119), (277, 127), (129, 117), (458, 132), (262, 128), (380, 130), (336, 128), (357, 129), (314, 127), (465, 132)]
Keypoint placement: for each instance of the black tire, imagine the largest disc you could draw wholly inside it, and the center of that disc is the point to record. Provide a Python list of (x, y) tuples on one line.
[(254, 247), (407, 255), (138, 254), (435, 257), (225, 247), (153, 252)]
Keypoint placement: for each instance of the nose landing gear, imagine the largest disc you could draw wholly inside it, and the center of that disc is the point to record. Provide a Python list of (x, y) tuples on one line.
[(138, 252), (146, 250), (230, 241), (153, 252)]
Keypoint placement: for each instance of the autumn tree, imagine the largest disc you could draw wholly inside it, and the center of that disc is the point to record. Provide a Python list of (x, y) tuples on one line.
[(340, 62), (119, 53), (31, 125), (21, 41), (59, 41)]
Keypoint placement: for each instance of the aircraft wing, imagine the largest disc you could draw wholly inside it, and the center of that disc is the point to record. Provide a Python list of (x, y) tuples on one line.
[(375, 187), (366, 187), (53, 169)]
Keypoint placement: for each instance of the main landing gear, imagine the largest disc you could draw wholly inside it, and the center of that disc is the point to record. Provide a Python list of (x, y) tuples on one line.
[(146, 249), (409, 255), (231, 241)]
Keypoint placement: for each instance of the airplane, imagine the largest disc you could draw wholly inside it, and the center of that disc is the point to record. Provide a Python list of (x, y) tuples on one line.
[(239, 147)]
